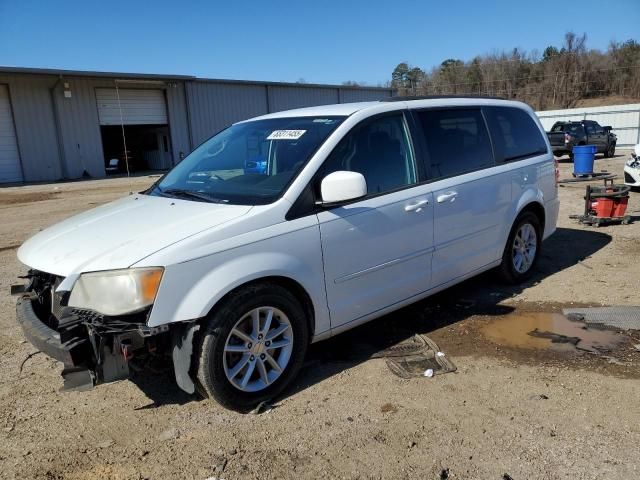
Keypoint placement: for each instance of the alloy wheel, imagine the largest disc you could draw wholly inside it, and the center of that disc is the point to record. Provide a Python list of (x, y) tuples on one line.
[(258, 349), (525, 245)]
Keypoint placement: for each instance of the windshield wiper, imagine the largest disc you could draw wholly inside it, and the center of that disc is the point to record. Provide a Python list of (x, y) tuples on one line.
[(178, 192)]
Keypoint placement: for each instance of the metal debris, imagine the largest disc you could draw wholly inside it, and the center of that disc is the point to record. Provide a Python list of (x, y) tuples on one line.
[(621, 317), (263, 407), (425, 363), (33, 354)]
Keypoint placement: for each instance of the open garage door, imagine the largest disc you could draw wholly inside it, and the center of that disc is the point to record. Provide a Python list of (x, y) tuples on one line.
[(10, 169), (144, 124), (139, 106)]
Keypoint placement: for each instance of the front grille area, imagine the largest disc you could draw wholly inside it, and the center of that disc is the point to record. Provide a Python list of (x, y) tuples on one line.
[(58, 300), (628, 178), (48, 305)]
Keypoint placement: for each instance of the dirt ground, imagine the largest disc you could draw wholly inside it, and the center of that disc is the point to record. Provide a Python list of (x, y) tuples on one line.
[(507, 413)]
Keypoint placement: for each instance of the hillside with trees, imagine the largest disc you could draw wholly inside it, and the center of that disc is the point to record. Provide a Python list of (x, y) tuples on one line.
[(561, 77)]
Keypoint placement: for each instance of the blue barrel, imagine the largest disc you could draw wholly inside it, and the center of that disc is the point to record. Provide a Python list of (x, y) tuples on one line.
[(583, 157)]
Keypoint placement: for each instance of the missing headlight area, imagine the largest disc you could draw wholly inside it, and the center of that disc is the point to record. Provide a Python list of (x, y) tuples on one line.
[(94, 348)]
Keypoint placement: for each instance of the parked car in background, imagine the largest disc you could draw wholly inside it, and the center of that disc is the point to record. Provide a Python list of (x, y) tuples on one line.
[(284, 230), (632, 168), (563, 136)]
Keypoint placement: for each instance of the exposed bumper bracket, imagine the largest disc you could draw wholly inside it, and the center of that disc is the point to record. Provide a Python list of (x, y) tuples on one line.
[(77, 379), (181, 351)]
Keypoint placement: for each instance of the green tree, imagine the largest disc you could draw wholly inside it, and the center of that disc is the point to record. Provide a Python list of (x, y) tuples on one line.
[(415, 77), (549, 53), (399, 77), (452, 76)]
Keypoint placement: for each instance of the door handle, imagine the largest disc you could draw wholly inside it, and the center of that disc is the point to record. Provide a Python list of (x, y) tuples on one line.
[(416, 207), (450, 196)]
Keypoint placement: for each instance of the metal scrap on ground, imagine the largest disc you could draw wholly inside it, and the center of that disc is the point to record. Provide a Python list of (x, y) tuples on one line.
[(620, 317), (428, 358)]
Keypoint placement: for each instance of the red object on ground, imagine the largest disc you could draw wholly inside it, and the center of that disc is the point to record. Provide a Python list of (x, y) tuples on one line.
[(610, 207), (603, 207), (620, 207)]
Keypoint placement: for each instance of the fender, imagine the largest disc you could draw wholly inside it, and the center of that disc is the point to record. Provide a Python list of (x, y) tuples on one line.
[(189, 290), (528, 196)]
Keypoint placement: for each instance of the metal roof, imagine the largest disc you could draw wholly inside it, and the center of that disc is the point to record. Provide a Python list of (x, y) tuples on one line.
[(87, 73), (159, 76)]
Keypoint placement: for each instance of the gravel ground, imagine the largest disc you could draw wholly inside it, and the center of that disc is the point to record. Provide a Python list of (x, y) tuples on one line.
[(506, 413)]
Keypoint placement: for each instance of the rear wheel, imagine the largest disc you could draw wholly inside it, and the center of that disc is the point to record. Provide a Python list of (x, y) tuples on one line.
[(252, 346), (523, 248), (610, 151)]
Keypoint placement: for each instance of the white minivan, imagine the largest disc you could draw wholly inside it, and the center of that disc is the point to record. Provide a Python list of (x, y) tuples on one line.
[(284, 230)]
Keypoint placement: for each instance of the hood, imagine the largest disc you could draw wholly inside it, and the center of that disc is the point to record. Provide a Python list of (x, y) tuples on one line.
[(121, 233)]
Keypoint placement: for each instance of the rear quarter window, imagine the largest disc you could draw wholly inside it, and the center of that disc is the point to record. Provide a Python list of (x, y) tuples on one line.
[(515, 134)]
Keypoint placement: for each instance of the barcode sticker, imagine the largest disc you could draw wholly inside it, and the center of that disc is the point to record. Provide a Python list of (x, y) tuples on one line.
[(286, 134)]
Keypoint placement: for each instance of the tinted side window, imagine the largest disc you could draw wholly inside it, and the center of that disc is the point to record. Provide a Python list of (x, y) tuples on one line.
[(457, 141), (515, 134), (380, 150)]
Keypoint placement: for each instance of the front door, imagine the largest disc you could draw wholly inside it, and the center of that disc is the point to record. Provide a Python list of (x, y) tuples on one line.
[(596, 135), (377, 251)]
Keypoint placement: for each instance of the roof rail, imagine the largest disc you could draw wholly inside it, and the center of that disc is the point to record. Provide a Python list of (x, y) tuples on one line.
[(436, 97)]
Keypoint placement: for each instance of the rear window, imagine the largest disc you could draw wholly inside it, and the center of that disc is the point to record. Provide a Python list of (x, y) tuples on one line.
[(515, 134), (574, 129)]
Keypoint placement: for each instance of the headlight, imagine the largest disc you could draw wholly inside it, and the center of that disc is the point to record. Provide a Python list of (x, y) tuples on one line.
[(116, 292)]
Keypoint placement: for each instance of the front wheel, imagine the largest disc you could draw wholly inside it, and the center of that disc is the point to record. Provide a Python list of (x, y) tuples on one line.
[(523, 249), (252, 346)]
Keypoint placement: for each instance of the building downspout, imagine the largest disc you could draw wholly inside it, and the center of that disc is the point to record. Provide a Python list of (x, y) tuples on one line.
[(187, 106), (56, 121), (268, 91)]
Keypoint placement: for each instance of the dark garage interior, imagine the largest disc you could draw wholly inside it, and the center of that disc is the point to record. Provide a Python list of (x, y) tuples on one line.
[(148, 148)]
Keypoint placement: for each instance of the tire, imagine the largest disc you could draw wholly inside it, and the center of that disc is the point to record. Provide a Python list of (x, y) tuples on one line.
[(610, 151), (216, 363), (508, 269)]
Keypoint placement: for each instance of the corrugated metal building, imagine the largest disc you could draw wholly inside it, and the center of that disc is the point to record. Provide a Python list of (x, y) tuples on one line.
[(61, 124), (625, 120)]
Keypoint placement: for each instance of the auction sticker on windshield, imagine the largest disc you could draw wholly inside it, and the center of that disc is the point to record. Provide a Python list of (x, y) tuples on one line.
[(286, 134)]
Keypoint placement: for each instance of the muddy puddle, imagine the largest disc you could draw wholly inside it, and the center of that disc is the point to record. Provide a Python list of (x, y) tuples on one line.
[(536, 330)]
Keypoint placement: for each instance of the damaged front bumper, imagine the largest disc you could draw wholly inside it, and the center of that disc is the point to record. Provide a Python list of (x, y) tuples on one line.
[(94, 348), (43, 337)]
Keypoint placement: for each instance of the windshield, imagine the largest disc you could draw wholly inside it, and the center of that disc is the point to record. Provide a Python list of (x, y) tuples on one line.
[(248, 163)]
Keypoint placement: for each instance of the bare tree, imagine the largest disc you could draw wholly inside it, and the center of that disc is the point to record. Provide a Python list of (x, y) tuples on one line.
[(557, 78)]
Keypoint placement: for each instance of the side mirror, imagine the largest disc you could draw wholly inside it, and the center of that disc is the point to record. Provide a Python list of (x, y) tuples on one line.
[(342, 186), (608, 128)]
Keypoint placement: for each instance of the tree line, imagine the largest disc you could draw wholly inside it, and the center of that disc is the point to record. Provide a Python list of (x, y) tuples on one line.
[(557, 78)]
